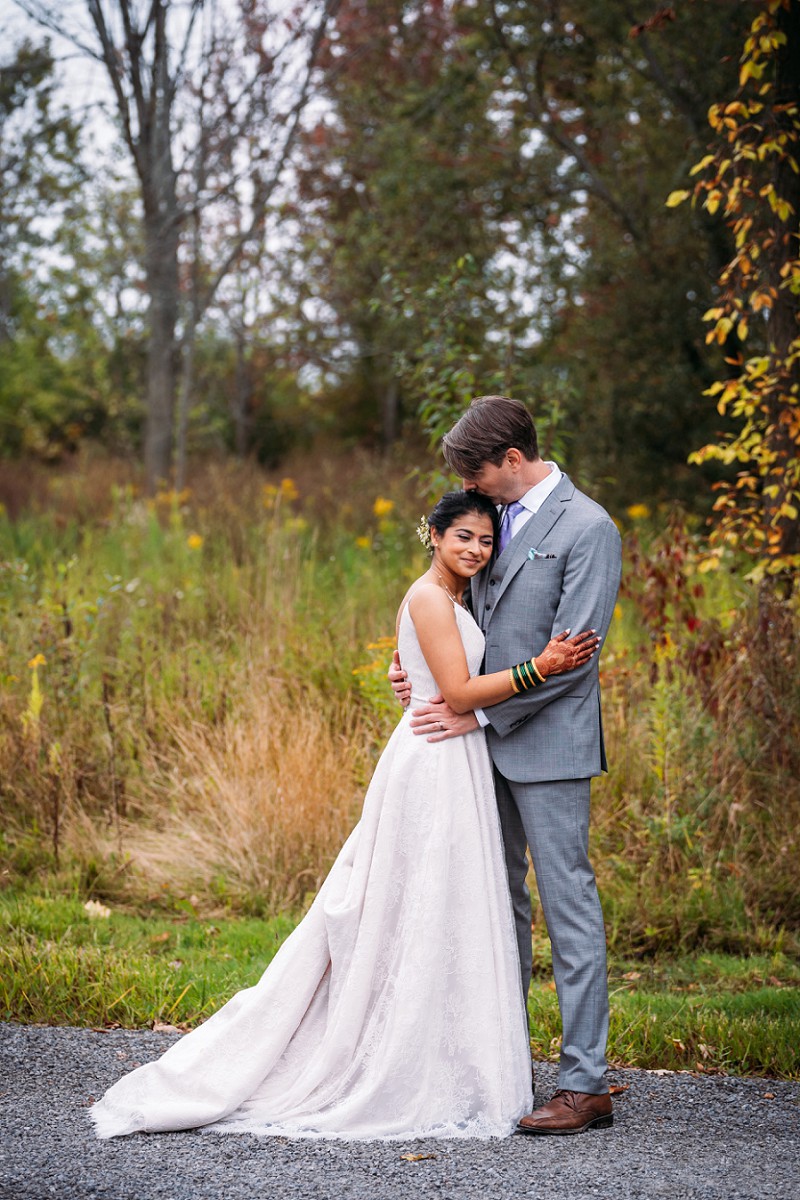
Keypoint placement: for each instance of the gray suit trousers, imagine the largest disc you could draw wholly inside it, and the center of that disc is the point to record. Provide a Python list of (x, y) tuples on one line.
[(553, 820)]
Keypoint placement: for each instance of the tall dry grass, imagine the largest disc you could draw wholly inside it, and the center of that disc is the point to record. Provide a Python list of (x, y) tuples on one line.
[(247, 813), (199, 730), (697, 826), (211, 702)]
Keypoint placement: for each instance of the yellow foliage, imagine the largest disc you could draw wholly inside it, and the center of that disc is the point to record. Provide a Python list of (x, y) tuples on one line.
[(756, 133)]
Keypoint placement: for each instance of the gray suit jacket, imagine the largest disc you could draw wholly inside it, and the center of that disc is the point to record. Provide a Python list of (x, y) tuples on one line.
[(560, 571)]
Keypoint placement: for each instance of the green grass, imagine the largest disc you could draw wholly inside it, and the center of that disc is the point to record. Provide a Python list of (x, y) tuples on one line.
[(711, 1013), (708, 1013), (58, 965)]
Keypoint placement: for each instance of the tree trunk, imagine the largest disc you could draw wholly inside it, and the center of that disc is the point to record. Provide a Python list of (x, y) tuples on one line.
[(390, 407), (162, 219), (184, 399), (162, 285), (240, 401)]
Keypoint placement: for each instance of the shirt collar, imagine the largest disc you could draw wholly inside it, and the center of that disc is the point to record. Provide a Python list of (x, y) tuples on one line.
[(535, 497)]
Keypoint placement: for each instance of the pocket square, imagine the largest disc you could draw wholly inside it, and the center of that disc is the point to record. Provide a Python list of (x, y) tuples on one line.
[(533, 553)]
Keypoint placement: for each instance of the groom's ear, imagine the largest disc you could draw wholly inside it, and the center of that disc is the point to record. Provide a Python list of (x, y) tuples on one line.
[(514, 458)]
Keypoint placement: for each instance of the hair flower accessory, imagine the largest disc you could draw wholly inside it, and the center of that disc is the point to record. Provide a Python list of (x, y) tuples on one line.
[(424, 533)]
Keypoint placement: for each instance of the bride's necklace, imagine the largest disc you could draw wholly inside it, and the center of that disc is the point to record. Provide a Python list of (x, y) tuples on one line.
[(452, 596)]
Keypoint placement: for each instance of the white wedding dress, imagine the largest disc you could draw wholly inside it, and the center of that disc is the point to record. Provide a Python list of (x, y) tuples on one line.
[(394, 1010)]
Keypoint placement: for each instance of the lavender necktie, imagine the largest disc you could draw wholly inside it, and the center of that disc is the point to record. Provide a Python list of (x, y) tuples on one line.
[(507, 523)]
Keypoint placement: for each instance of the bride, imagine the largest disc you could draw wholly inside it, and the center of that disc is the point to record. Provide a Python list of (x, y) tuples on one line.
[(394, 1010)]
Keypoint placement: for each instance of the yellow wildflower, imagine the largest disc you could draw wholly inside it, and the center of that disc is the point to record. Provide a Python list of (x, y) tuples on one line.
[(194, 541), (363, 543), (289, 489), (169, 496), (383, 643), (638, 512), (382, 507), (38, 661), (617, 612)]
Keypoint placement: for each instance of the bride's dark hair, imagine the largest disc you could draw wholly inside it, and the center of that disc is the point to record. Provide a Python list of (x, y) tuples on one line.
[(456, 504)]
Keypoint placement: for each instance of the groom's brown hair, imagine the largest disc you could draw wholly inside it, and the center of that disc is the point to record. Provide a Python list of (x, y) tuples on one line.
[(490, 426)]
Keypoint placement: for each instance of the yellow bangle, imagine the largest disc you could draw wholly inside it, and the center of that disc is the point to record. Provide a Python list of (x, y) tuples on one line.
[(512, 680), (537, 672)]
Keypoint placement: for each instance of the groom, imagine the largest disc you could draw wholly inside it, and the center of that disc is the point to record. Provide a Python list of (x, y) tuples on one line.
[(557, 567)]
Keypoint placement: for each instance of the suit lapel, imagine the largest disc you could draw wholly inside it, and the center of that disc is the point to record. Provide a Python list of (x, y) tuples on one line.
[(529, 537)]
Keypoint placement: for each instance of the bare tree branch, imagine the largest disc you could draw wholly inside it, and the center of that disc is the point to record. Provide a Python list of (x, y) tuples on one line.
[(547, 121)]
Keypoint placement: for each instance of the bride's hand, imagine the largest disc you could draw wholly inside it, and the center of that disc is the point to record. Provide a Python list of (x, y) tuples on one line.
[(564, 653)]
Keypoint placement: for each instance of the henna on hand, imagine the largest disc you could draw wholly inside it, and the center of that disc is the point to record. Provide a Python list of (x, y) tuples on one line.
[(564, 652)]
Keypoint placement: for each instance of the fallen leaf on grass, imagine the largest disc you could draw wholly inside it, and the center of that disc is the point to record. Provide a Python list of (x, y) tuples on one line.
[(616, 1088), (416, 1157), (632, 975), (163, 1027), (769, 1095), (160, 937)]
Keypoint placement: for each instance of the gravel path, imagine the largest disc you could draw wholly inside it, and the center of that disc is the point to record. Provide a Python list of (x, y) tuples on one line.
[(674, 1135)]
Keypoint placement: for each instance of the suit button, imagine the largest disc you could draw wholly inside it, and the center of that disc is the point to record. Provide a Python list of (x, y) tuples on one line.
[(488, 606), (492, 582)]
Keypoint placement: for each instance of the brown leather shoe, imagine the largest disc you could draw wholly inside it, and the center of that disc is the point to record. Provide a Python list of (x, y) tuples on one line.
[(569, 1112)]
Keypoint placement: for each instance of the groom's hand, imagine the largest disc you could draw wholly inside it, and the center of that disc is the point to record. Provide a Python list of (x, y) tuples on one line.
[(399, 681), (438, 721)]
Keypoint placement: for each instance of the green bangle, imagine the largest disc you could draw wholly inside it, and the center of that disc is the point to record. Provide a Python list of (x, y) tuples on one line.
[(529, 675)]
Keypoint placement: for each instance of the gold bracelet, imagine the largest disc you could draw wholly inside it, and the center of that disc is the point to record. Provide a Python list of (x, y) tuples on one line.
[(512, 681), (539, 674)]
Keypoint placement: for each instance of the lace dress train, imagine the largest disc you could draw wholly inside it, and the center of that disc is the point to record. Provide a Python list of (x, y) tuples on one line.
[(394, 1010)]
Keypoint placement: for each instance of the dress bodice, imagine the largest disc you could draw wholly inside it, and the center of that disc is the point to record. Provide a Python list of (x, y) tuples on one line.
[(423, 685)]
